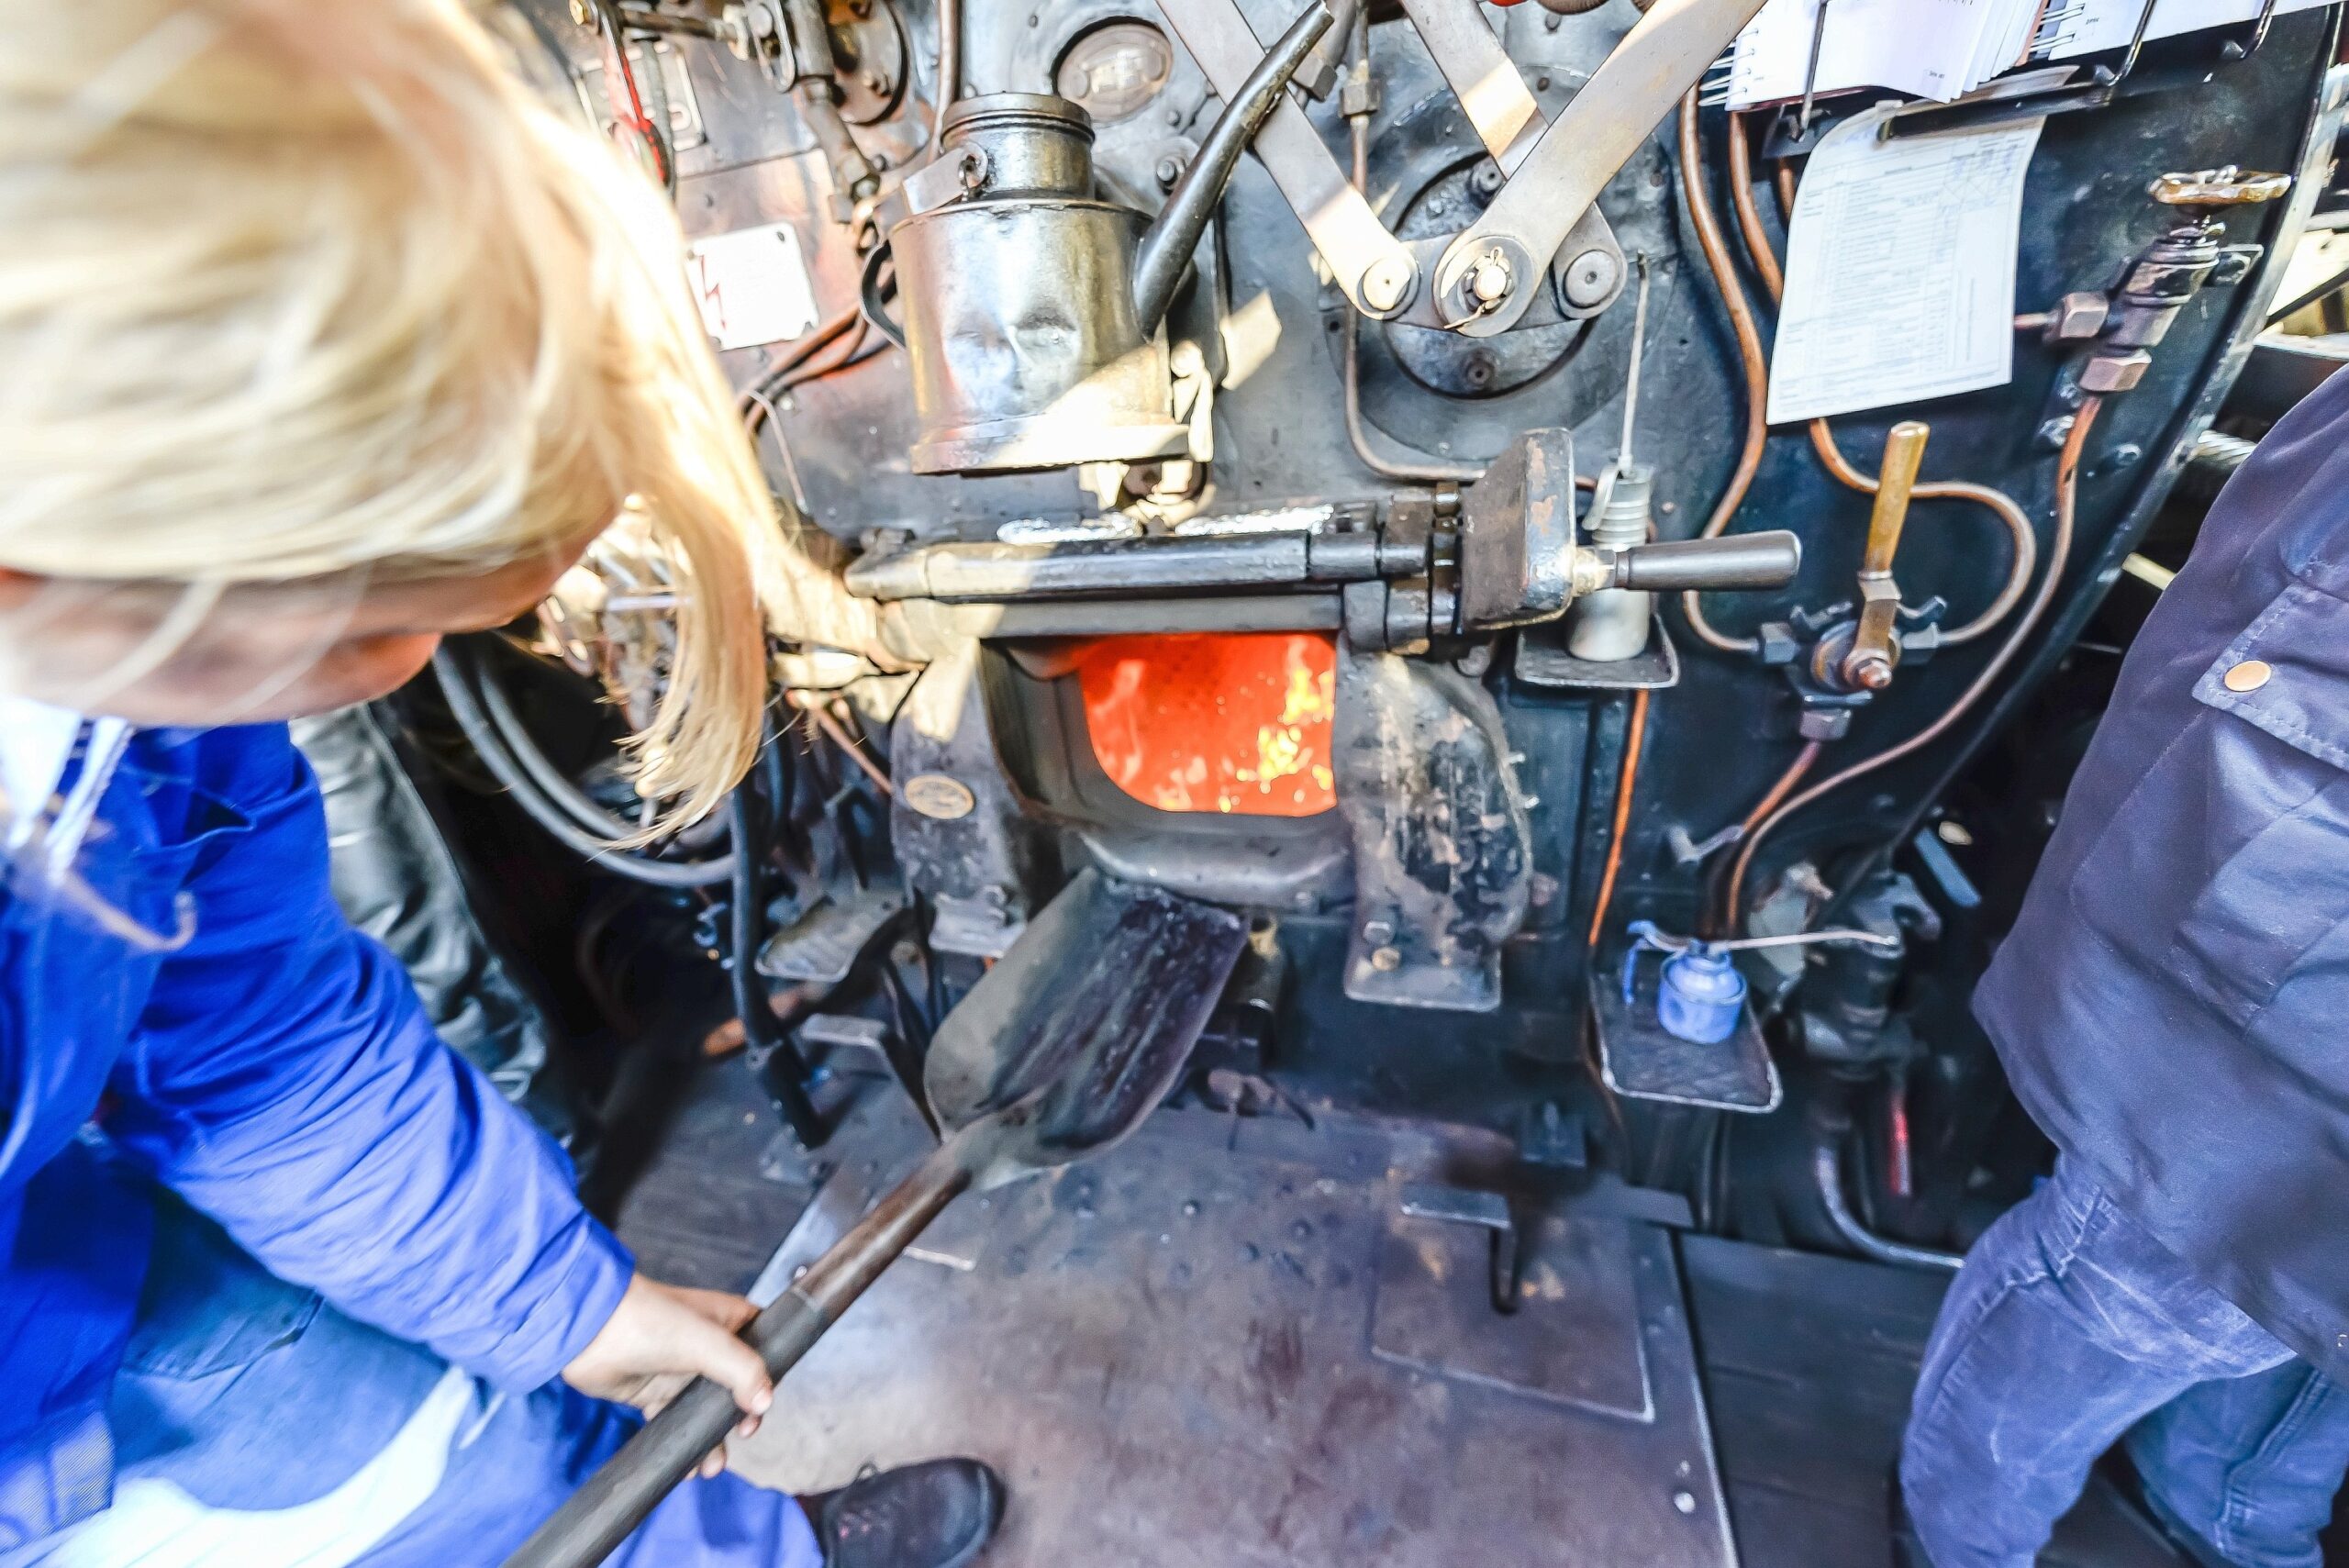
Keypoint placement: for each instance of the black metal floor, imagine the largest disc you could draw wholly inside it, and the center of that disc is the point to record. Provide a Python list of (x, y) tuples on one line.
[(1127, 1373)]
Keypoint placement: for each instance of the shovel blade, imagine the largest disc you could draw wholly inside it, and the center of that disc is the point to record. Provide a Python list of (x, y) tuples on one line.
[(1080, 1030)]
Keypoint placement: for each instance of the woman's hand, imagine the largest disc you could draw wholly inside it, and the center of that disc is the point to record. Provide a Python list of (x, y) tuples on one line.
[(659, 1338)]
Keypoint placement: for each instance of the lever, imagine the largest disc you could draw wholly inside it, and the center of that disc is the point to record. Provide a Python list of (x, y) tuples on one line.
[(1737, 561), (1484, 279), (1868, 664)]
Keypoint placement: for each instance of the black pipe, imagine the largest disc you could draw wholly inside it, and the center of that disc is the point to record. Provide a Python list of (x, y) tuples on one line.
[(1166, 249), (465, 706), (781, 1069)]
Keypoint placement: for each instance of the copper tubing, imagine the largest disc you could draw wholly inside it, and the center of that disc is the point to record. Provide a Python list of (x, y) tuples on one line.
[(2067, 486), (2024, 546), (839, 736), (1635, 733), (1715, 244), (1749, 217), (1797, 771)]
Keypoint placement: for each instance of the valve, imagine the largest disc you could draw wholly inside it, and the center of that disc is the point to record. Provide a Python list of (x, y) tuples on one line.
[(1875, 650), (2159, 283), (1837, 659)]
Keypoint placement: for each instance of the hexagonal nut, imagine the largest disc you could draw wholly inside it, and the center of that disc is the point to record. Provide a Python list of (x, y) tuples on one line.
[(1779, 645), (2078, 317), (2114, 373), (1824, 723)]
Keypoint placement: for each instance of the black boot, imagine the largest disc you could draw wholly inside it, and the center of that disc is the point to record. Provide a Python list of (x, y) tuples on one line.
[(937, 1514)]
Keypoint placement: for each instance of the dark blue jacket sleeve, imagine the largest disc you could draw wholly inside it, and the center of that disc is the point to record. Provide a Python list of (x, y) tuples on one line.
[(283, 1080)]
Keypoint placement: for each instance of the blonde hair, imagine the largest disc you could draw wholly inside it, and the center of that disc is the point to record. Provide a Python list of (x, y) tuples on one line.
[(295, 287)]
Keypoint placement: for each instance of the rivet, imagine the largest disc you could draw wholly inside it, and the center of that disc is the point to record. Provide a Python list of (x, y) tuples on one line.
[(2249, 675)]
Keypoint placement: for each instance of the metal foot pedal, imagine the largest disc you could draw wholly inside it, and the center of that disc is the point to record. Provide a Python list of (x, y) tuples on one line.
[(1639, 1059)]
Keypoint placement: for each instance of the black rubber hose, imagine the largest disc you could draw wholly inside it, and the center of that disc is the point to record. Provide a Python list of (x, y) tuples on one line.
[(465, 704), (555, 785), (777, 1062)]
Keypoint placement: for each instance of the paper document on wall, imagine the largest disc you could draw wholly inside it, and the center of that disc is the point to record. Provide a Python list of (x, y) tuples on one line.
[(1933, 49), (1900, 269), (2075, 28)]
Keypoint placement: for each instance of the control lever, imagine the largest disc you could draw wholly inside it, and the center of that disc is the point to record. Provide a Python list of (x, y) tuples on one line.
[(1768, 560), (1868, 663), (1484, 279), (1489, 276)]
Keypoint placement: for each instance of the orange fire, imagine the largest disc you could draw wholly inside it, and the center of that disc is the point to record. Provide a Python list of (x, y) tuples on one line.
[(1236, 723)]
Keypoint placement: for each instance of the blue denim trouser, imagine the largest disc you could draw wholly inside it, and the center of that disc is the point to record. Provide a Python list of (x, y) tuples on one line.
[(255, 1428), (2069, 1329)]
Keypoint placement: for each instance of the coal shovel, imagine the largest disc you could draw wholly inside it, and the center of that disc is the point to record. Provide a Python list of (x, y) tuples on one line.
[(1065, 1045)]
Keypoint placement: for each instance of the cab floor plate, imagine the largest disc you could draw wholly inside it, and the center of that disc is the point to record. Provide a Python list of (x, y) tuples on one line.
[(1169, 1355)]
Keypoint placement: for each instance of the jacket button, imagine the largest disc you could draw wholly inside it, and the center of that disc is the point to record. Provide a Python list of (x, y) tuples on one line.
[(2249, 675)]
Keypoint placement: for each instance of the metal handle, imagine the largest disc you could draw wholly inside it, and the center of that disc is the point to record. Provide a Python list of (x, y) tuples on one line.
[(1867, 666), (1484, 283), (1768, 560), (594, 1521)]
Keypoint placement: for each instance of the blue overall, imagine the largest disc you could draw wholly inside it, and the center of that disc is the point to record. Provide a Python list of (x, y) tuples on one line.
[(341, 1343), (2173, 1008)]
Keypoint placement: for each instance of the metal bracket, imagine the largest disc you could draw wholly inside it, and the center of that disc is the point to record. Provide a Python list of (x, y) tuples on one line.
[(1658, 60), (1443, 857), (1368, 262)]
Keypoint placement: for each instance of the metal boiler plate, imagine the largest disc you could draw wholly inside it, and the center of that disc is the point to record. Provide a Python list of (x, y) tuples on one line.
[(1169, 1355)]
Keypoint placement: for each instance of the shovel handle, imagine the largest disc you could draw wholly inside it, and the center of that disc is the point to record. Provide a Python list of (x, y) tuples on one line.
[(615, 1500)]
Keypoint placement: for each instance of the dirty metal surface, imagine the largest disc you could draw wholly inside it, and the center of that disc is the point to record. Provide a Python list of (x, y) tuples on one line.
[(1575, 1336), (1168, 1354)]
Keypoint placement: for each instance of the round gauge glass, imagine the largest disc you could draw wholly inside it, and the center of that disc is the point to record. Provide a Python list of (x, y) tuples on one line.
[(1114, 70)]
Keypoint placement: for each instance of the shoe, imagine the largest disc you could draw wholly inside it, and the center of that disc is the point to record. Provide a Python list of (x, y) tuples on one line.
[(938, 1515)]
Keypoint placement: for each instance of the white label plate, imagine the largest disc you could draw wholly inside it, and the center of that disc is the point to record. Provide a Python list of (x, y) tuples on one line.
[(752, 286)]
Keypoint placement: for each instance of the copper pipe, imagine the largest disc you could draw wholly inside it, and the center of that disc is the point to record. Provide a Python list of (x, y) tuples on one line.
[(2067, 485), (1715, 245), (840, 737), (1749, 214), (2024, 542), (1797, 771), (1633, 734)]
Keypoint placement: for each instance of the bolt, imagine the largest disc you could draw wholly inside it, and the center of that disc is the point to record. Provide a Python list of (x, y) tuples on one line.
[(1479, 370), (1685, 1501), (1589, 278), (1378, 933), (1387, 284), (1170, 169), (1386, 960), (1488, 180), (1489, 279), (1870, 672)]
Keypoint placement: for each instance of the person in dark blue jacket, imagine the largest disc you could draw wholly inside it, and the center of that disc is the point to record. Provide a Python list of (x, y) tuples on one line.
[(325, 338), (2173, 1008)]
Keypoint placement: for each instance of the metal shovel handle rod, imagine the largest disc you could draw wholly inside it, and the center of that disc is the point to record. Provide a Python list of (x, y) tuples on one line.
[(616, 1499)]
